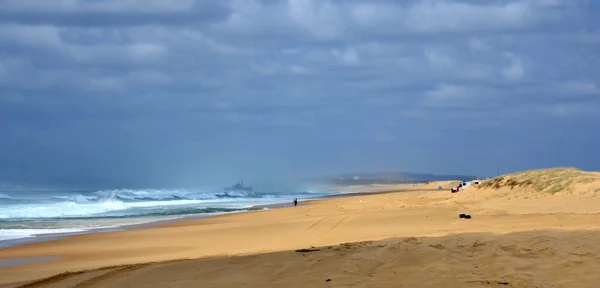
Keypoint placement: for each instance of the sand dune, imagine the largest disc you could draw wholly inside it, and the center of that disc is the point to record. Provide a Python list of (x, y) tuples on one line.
[(525, 232), (525, 259), (549, 182), (556, 190)]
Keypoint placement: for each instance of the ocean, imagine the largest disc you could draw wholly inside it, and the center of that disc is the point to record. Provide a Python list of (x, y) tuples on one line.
[(27, 214)]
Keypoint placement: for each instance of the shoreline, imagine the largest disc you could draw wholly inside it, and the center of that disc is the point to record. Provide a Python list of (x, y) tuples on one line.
[(517, 236), (16, 258), (46, 237)]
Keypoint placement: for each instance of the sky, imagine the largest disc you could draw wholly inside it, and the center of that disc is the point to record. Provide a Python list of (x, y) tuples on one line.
[(193, 92)]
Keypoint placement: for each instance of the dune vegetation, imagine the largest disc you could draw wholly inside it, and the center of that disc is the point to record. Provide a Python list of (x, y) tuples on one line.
[(550, 181)]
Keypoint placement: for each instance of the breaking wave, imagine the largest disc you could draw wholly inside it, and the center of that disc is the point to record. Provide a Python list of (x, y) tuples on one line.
[(135, 203)]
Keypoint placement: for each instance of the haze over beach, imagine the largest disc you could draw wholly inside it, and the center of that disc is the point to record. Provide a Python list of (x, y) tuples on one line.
[(125, 126)]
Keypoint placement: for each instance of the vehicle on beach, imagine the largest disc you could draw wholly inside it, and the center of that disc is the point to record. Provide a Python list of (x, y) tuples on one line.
[(462, 186)]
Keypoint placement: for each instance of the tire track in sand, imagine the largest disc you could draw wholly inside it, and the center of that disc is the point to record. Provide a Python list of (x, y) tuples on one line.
[(313, 225), (95, 280), (319, 221), (52, 279), (340, 222), (66, 276)]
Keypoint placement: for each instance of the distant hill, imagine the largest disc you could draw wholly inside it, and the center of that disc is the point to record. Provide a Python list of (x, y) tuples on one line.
[(386, 177)]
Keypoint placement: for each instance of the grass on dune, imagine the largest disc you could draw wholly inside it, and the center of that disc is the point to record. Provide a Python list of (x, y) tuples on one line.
[(551, 181)]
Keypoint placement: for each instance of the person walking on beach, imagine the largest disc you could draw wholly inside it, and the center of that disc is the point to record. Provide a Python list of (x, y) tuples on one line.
[(295, 201)]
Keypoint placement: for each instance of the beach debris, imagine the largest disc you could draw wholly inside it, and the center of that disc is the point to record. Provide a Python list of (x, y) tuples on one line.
[(328, 280), (461, 215), (352, 245), (307, 250), (497, 282), (467, 216)]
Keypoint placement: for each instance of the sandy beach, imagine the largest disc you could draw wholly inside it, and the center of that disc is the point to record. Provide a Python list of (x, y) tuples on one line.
[(533, 229)]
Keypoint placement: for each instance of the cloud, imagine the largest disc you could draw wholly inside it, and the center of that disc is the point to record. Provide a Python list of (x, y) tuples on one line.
[(445, 16), (112, 13), (450, 16), (514, 71), (43, 35), (447, 94), (320, 18), (580, 88), (458, 96), (477, 45), (569, 110), (107, 6), (438, 60), (221, 80), (347, 57)]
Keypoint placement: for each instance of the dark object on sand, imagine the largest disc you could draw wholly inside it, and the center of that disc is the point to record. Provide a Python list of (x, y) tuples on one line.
[(461, 215), (497, 282), (467, 216), (328, 280), (295, 201), (307, 250)]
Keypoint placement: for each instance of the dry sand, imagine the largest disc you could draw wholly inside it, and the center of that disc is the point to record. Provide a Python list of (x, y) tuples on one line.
[(534, 229)]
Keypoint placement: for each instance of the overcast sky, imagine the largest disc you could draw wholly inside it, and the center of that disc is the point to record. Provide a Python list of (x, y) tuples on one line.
[(188, 92)]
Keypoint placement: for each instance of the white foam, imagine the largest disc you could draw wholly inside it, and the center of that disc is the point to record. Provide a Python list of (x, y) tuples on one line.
[(87, 226), (77, 226), (125, 202), (152, 194), (74, 209), (10, 234)]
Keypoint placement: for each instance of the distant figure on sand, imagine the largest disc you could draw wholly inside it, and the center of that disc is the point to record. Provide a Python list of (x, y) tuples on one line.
[(295, 201)]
